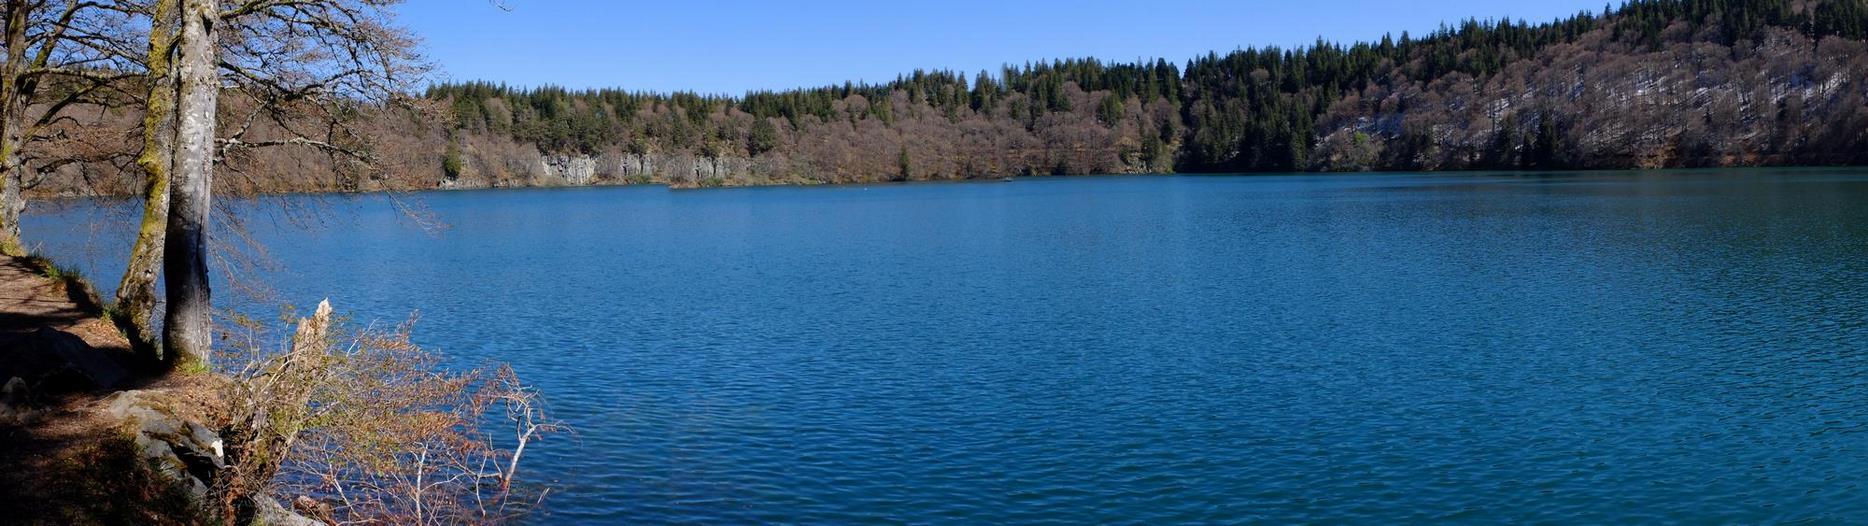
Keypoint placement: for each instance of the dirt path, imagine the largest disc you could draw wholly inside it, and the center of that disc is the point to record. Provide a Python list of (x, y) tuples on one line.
[(63, 460), (30, 301)]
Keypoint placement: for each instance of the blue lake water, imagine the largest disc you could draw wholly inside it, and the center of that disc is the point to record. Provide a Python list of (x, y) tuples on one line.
[(1683, 347)]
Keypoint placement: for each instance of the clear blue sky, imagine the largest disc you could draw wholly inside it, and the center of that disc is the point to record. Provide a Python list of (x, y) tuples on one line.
[(733, 46)]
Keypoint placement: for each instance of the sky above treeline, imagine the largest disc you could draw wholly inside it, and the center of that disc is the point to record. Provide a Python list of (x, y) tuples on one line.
[(730, 47)]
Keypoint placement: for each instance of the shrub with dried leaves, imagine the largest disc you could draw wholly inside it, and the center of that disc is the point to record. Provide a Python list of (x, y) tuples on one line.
[(366, 427)]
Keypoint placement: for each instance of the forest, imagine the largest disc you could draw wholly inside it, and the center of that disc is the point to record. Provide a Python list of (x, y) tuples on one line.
[(1648, 84), (227, 421)]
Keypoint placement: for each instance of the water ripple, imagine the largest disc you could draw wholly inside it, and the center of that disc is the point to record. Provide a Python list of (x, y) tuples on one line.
[(1675, 348)]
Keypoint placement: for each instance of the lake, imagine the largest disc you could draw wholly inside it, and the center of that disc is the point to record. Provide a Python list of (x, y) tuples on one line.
[(1682, 346)]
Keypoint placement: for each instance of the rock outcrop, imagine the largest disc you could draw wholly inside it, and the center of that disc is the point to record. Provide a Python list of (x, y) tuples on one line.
[(180, 450), (574, 170), (184, 451)]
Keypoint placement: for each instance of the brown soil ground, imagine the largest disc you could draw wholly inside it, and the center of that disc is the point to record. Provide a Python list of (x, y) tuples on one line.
[(62, 461), (29, 300)]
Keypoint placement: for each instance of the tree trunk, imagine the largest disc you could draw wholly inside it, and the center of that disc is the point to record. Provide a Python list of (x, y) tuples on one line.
[(12, 126), (136, 293), (187, 331), (11, 165)]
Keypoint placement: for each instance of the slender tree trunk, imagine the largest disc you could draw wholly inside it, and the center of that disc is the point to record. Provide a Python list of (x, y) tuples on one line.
[(11, 166), (187, 329), (136, 293), (12, 125)]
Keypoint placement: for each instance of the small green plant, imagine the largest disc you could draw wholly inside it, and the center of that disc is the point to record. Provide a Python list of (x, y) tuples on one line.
[(451, 163), (40, 265), (192, 367)]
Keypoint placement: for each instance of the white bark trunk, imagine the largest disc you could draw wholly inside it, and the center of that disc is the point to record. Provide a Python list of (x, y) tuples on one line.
[(187, 329)]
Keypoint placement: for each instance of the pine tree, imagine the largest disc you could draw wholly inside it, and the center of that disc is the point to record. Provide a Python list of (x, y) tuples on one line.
[(906, 164), (764, 137), (1110, 111)]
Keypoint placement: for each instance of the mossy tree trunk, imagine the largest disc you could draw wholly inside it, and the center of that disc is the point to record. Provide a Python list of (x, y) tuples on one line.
[(136, 292), (13, 123)]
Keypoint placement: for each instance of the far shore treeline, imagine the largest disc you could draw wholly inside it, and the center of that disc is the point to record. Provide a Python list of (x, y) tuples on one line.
[(1652, 83)]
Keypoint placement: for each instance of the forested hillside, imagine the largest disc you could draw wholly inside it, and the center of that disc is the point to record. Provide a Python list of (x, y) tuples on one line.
[(1654, 83)]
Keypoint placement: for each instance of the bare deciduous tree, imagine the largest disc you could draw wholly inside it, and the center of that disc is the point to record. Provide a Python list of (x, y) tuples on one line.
[(302, 69), (73, 46)]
